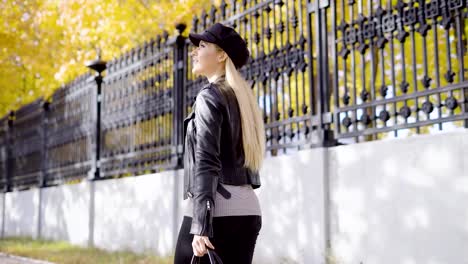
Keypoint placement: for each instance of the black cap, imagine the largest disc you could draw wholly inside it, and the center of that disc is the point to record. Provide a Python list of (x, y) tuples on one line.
[(227, 39)]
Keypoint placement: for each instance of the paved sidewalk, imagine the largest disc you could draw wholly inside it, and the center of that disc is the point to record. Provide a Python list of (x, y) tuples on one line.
[(11, 259)]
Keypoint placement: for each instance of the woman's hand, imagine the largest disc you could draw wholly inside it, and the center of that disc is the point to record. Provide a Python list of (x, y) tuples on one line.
[(199, 244)]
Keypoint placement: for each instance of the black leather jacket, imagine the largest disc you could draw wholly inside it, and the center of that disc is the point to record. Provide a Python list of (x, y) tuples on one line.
[(213, 152)]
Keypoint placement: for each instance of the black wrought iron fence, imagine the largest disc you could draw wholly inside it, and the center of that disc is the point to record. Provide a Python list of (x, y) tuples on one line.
[(4, 152), (26, 135), (138, 110), (69, 131), (324, 73), (399, 66)]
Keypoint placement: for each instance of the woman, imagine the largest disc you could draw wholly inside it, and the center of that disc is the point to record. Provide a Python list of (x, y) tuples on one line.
[(224, 149)]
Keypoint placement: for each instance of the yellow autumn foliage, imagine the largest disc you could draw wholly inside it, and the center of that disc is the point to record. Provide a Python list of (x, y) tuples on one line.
[(46, 43)]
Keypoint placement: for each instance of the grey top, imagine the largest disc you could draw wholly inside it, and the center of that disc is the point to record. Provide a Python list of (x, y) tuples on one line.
[(243, 201)]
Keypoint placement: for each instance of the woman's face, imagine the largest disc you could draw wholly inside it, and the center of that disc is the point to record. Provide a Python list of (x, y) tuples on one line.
[(206, 59)]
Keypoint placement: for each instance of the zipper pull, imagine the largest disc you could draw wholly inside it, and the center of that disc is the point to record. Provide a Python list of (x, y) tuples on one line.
[(208, 206)]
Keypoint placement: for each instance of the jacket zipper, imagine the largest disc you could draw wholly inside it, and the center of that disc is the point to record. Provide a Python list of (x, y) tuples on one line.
[(207, 215), (191, 158)]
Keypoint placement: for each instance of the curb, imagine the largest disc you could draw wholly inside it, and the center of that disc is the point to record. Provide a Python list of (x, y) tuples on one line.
[(26, 260)]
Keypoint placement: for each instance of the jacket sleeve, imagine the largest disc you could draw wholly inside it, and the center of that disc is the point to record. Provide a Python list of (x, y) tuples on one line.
[(208, 122)]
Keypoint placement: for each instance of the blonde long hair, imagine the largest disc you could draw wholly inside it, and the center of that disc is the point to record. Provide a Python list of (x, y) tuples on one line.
[(253, 129)]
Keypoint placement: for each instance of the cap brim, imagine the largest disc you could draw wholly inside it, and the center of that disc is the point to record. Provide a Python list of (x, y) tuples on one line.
[(195, 38)]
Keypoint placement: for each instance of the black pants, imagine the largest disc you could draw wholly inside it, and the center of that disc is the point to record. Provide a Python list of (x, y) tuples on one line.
[(234, 239)]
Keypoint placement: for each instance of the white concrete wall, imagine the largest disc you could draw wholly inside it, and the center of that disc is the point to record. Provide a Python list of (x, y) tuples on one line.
[(21, 213), (65, 213), (136, 213), (291, 198), (401, 201)]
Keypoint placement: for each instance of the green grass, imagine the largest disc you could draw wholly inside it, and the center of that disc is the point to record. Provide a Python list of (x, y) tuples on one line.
[(63, 252)]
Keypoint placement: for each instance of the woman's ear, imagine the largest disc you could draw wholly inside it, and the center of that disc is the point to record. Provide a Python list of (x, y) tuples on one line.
[(222, 56)]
